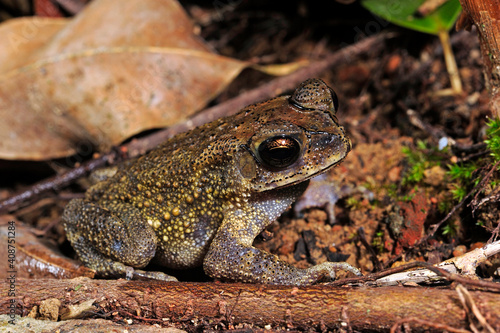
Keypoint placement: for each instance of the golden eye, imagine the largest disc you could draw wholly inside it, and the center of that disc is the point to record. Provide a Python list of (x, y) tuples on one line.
[(279, 151)]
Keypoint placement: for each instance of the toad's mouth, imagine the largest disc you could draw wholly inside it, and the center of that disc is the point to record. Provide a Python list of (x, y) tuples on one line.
[(308, 177)]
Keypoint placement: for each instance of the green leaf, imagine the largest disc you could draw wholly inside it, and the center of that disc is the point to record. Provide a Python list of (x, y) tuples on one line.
[(402, 13)]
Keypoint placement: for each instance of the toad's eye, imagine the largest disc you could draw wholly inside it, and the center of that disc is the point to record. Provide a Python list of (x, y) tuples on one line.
[(279, 151)]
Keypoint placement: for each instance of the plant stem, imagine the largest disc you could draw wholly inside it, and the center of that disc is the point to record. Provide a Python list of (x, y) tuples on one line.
[(451, 64)]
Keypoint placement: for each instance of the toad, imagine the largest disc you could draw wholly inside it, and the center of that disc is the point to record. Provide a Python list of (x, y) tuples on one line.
[(202, 197)]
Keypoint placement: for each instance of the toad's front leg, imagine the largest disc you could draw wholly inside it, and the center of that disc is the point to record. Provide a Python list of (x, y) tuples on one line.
[(232, 257)]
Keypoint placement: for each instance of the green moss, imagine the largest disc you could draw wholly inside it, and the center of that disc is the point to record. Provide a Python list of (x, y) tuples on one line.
[(493, 140), (420, 158), (450, 229), (466, 175), (353, 203)]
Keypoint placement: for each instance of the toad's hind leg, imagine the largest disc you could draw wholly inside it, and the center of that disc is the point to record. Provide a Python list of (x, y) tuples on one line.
[(110, 244)]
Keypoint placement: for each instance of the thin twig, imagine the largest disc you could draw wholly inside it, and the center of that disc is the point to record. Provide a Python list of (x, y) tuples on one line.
[(483, 181), (369, 248), (56, 182), (140, 146), (487, 285), (473, 313)]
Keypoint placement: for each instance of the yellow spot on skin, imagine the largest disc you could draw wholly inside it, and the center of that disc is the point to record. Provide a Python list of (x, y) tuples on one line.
[(176, 211), (166, 216), (156, 224), (147, 204), (169, 228), (165, 238), (150, 222), (189, 199), (139, 187), (148, 194)]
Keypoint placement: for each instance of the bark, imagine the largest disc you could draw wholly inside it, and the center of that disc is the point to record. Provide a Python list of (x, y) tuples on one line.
[(203, 305), (485, 14)]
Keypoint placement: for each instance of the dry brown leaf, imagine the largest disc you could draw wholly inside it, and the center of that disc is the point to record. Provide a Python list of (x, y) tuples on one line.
[(22, 39), (111, 23), (118, 68), (99, 98), (33, 258)]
